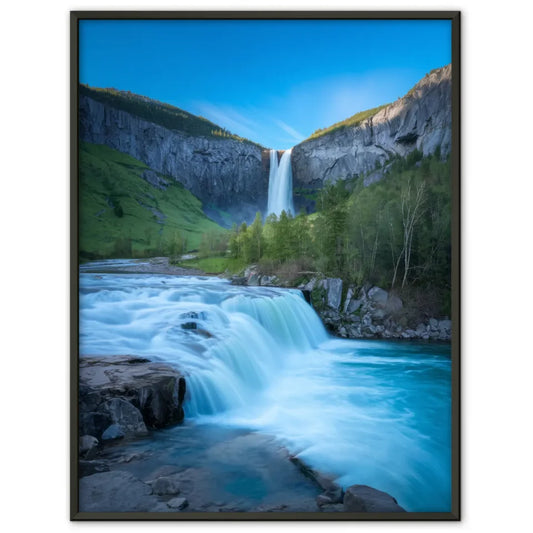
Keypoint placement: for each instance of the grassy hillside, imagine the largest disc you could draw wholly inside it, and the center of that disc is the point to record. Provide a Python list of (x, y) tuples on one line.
[(166, 115), (122, 215), (354, 120)]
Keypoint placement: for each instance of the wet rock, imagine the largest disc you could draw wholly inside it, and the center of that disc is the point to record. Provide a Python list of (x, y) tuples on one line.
[(93, 423), (115, 492), (113, 432), (332, 508), (238, 280), (190, 314), (364, 499), (178, 503), (166, 485), (88, 446), (269, 281), (254, 279), (189, 325), (87, 468), (126, 417), (155, 390)]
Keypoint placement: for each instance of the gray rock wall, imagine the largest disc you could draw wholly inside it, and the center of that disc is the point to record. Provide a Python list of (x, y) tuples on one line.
[(222, 172), (421, 119)]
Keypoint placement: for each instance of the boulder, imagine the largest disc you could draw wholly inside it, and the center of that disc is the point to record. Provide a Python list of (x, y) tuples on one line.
[(93, 423), (126, 416), (268, 281), (115, 492), (351, 304), (378, 295), (310, 285), (108, 384), (88, 446), (364, 499), (178, 503), (333, 288), (445, 325), (166, 485), (113, 432)]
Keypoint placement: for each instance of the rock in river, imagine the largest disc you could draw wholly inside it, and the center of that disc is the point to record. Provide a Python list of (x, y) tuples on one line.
[(364, 499), (131, 392)]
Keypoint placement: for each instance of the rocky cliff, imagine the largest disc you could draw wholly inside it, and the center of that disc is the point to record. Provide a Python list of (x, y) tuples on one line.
[(223, 172), (420, 120)]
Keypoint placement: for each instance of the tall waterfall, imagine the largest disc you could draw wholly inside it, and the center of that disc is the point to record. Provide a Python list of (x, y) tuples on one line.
[(280, 184)]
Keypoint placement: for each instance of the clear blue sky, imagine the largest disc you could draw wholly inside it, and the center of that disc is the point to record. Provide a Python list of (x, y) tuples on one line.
[(274, 82)]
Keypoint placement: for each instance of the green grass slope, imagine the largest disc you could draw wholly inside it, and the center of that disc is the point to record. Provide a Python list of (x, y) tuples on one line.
[(122, 215)]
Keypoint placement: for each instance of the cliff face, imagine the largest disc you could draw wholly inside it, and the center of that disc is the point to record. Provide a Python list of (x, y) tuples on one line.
[(420, 120), (225, 173)]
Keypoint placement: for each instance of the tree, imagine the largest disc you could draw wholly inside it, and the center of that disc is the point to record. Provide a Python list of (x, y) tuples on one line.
[(412, 207), (256, 238)]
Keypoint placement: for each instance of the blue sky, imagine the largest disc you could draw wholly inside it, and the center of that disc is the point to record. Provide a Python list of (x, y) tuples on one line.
[(274, 82)]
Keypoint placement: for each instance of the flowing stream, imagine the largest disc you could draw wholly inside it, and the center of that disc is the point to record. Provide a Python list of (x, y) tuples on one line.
[(369, 412), (280, 184)]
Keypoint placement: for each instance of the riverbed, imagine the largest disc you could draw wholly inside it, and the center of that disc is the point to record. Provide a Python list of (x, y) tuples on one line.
[(258, 361)]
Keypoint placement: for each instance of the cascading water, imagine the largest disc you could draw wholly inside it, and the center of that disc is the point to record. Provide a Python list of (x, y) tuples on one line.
[(374, 413), (272, 176), (280, 184)]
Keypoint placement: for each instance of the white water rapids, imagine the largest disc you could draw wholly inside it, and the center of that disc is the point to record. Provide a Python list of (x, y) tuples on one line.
[(369, 412)]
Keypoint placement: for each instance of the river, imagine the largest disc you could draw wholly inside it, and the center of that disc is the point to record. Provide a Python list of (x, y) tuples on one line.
[(258, 358)]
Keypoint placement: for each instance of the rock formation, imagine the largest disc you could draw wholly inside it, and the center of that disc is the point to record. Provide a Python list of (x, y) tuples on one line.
[(420, 120), (122, 396), (223, 172)]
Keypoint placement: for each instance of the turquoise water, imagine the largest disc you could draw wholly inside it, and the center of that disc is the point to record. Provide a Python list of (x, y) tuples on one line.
[(368, 412)]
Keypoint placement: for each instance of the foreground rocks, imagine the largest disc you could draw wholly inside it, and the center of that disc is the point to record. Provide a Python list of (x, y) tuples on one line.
[(364, 499), (369, 313), (124, 396)]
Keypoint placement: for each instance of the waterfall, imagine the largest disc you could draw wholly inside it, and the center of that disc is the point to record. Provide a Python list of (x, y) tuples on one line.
[(259, 358), (280, 184), (239, 342), (272, 176)]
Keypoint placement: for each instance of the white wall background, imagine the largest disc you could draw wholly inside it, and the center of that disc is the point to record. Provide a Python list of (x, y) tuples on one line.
[(497, 265)]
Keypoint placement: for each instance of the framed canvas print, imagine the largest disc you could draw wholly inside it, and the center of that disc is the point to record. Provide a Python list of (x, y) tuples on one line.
[(265, 265)]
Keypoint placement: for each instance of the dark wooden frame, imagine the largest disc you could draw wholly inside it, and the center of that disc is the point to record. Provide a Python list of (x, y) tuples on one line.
[(455, 18)]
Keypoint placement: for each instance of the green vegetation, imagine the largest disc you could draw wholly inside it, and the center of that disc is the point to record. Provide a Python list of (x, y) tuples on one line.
[(215, 265), (353, 121), (122, 215), (394, 233), (166, 115)]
